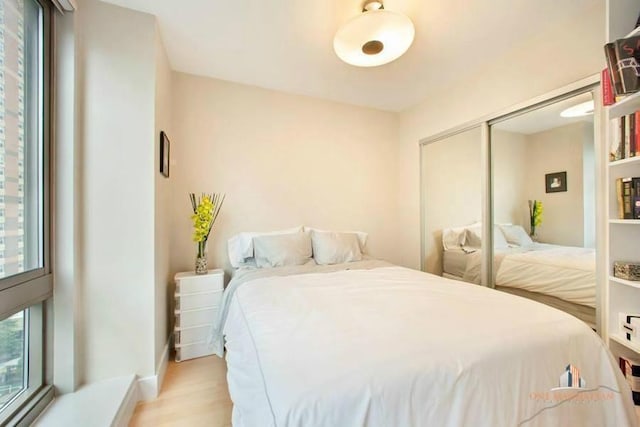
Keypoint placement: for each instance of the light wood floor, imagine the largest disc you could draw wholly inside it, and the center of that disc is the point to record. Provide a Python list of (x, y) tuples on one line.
[(194, 393)]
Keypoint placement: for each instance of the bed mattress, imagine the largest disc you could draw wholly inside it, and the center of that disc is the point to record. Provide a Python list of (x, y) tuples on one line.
[(389, 346)]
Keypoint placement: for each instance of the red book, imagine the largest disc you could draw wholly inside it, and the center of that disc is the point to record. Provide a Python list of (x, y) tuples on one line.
[(637, 132), (632, 134), (608, 98)]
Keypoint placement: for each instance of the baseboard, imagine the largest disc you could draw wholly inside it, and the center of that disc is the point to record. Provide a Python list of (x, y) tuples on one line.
[(127, 407), (149, 387)]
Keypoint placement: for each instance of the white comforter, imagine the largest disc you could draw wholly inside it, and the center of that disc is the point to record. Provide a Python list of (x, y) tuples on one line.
[(564, 272), (396, 347)]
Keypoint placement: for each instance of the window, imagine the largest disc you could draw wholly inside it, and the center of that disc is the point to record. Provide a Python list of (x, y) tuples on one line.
[(12, 360), (25, 274)]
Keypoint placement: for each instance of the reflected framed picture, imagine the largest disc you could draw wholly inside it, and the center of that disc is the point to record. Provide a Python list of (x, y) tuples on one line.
[(164, 154), (556, 182)]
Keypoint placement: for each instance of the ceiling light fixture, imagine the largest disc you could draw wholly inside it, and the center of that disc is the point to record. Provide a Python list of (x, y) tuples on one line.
[(376, 37), (578, 110)]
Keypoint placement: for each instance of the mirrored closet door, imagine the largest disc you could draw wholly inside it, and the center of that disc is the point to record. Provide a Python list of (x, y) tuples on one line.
[(543, 177), (451, 203)]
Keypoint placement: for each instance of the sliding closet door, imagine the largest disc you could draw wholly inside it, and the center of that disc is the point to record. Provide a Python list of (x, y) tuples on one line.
[(451, 175), (543, 176)]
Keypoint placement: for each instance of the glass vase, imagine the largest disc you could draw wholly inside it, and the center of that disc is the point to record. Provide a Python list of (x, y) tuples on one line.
[(201, 258)]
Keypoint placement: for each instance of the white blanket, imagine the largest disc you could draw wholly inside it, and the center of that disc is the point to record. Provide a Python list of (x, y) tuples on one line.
[(396, 347), (564, 272), (561, 271)]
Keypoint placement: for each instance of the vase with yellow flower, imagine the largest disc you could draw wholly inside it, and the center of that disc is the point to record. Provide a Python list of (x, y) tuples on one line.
[(205, 212), (535, 216)]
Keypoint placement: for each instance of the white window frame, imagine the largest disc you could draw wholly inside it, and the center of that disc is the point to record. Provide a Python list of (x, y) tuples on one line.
[(32, 290)]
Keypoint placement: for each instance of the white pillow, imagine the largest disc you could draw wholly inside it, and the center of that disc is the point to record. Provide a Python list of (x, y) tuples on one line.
[(516, 235), (280, 250), (240, 246), (473, 237), (453, 238), (362, 236), (335, 248)]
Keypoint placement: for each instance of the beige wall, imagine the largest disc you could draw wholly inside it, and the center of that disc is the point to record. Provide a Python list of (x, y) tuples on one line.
[(282, 160), (509, 151), (558, 150), (163, 196), (520, 164), (529, 70), (117, 167), (120, 258)]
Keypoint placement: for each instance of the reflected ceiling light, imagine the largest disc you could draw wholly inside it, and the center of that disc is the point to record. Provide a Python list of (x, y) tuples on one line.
[(579, 110), (376, 37)]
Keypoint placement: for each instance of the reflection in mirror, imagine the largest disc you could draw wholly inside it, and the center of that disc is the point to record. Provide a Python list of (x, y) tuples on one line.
[(544, 207), (451, 191)]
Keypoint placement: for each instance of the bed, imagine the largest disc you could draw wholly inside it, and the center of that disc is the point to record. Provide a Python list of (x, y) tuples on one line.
[(560, 276), (369, 343)]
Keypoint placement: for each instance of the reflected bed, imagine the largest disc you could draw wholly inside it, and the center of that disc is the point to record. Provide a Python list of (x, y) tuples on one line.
[(560, 276)]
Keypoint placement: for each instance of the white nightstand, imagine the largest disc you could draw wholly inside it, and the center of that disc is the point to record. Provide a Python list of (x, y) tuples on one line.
[(198, 298)]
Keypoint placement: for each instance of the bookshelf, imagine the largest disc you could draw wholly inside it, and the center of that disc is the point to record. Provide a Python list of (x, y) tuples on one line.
[(630, 160), (625, 282), (623, 342), (622, 235), (625, 221), (627, 105)]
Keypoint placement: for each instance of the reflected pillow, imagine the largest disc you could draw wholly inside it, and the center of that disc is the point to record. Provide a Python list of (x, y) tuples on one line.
[(453, 238), (335, 248), (516, 235), (473, 237), (281, 250)]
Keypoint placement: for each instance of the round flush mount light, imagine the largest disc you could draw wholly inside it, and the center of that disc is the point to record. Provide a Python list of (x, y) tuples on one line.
[(376, 37), (578, 110)]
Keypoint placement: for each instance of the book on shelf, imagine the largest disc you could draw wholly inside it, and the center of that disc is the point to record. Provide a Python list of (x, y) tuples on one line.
[(636, 135), (612, 66), (619, 198), (630, 149), (628, 197), (625, 137), (628, 63), (631, 370), (636, 198), (608, 97), (626, 147)]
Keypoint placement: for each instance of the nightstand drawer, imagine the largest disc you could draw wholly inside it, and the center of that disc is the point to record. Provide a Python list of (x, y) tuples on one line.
[(189, 283), (200, 316), (198, 300), (191, 335), (190, 351)]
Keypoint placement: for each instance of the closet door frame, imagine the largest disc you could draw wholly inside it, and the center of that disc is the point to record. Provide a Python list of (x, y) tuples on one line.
[(589, 84)]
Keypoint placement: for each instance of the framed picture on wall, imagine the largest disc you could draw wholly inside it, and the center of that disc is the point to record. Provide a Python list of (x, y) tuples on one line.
[(164, 154), (556, 182)]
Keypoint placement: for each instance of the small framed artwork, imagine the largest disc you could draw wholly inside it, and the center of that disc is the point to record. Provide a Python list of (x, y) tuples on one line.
[(164, 154), (556, 182)]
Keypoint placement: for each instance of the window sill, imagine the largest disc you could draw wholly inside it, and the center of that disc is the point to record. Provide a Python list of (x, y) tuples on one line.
[(105, 403)]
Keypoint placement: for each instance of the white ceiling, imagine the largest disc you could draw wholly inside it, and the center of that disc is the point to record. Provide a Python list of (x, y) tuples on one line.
[(287, 45)]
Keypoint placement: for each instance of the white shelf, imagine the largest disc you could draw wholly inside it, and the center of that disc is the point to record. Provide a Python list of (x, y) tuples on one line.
[(627, 105), (630, 160), (624, 342), (635, 32), (625, 282), (625, 221)]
